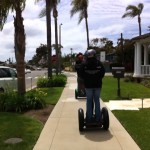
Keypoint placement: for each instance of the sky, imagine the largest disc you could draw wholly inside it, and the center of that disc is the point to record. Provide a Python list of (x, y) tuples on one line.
[(104, 20)]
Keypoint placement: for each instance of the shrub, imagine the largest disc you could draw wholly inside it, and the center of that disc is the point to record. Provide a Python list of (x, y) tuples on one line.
[(42, 82), (56, 81), (126, 79), (59, 81), (35, 99), (129, 78), (146, 82), (14, 102), (2, 101)]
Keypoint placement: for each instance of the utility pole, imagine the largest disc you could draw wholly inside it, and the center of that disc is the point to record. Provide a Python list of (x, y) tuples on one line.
[(71, 49), (122, 51), (122, 48), (59, 53), (60, 34)]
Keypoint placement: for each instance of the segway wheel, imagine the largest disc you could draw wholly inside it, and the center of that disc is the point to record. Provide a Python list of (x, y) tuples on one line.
[(81, 119), (76, 94), (105, 118)]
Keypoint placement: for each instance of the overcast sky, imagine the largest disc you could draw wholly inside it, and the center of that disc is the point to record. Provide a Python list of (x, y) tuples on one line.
[(104, 19)]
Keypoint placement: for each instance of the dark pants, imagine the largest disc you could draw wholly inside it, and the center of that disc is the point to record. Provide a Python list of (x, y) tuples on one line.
[(93, 97), (81, 87)]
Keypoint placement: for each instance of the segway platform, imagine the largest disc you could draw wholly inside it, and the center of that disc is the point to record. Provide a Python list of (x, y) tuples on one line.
[(80, 90), (79, 94), (83, 124)]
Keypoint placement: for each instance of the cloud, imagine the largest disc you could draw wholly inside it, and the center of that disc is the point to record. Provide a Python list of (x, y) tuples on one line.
[(104, 20)]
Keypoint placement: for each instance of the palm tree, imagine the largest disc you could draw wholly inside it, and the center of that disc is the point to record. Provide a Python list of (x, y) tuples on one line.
[(52, 5), (133, 11), (55, 15), (80, 6), (49, 36), (19, 36)]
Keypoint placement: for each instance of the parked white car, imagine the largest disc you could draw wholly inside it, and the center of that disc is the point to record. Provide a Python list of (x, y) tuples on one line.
[(39, 68), (8, 79)]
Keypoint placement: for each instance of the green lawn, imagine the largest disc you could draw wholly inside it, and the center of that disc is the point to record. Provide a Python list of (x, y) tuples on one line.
[(137, 123), (18, 126), (53, 94), (13, 125), (128, 89)]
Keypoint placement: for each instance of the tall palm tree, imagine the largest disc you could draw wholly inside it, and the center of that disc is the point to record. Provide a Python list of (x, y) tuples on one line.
[(53, 6), (133, 11), (47, 13), (80, 6), (19, 36), (55, 15)]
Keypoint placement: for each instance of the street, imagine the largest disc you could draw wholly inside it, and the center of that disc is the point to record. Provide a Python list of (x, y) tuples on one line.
[(31, 78)]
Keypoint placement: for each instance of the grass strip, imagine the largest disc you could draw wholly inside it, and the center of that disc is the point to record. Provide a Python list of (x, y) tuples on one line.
[(137, 123), (13, 125)]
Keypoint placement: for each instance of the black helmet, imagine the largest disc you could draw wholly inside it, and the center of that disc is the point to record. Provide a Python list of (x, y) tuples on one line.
[(90, 53)]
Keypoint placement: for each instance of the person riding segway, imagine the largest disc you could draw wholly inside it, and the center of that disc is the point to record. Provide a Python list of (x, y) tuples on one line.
[(93, 73), (80, 91)]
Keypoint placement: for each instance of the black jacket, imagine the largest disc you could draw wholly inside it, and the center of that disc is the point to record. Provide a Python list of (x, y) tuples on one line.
[(93, 71), (79, 68)]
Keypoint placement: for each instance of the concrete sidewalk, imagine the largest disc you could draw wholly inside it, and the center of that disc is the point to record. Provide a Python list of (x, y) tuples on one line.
[(61, 131)]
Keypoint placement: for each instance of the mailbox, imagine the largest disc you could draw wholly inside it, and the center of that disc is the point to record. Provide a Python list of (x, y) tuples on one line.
[(118, 72)]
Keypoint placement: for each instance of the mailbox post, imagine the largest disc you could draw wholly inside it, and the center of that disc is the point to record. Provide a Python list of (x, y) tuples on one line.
[(118, 72)]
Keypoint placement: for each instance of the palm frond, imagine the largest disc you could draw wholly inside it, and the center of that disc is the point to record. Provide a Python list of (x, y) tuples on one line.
[(132, 11), (73, 11), (6, 6), (81, 17), (127, 14), (84, 3), (140, 7), (52, 4), (79, 6), (42, 13), (131, 7)]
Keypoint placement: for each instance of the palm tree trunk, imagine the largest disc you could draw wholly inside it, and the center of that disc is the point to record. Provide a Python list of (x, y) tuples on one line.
[(139, 21), (49, 49), (56, 42), (55, 14), (20, 49), (87, 32)]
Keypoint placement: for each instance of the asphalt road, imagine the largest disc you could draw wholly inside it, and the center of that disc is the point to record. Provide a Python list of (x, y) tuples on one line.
[(31, 78)]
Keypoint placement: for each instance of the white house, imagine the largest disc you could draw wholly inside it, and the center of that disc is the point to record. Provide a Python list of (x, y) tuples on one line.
[(142, 55)]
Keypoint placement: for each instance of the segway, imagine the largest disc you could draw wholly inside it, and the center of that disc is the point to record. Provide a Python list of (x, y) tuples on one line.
[(83, 124), (79, 93)]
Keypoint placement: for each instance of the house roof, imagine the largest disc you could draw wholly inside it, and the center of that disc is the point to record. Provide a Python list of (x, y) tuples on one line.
[(144, 36)]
